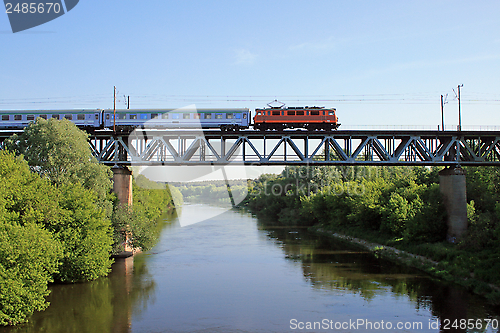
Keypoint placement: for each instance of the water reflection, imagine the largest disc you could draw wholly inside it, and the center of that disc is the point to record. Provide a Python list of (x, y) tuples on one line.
[(335, 265), (104, 305)]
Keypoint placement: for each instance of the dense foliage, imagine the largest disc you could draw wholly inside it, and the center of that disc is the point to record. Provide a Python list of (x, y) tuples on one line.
[(402, 202), (57, 221), (214, 192), (29, 254), (58, 151)]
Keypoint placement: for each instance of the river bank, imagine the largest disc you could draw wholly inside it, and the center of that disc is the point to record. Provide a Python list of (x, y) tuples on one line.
[(438, 269)]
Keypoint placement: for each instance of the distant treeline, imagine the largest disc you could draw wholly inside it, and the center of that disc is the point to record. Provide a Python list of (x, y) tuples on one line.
[(396, 206), (213, 191), (59, 220)]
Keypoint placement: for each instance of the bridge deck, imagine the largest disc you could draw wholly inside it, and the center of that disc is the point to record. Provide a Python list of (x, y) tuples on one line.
[(296, 147)]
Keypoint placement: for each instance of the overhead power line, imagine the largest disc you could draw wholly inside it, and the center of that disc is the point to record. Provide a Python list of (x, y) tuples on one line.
[(103, 100)]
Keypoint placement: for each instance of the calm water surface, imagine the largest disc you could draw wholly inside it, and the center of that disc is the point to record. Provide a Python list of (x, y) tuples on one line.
[(233, 273)]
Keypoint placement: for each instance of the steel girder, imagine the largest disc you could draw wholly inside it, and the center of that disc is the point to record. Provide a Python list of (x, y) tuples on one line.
[(190, 147)]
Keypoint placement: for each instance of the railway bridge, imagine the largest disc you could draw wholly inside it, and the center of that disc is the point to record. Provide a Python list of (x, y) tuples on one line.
[(453, 149), (196, 147)]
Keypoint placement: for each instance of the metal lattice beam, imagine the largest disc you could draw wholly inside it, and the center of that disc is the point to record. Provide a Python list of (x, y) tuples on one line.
[(156, 147)]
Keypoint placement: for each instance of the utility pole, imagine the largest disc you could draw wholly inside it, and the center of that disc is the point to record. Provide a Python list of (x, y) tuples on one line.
[(114, 109), (442, 114), (128, 102), (443, 102), (459, 111)]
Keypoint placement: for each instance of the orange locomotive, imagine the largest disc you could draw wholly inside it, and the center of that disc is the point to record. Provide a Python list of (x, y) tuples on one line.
[(310, 118)]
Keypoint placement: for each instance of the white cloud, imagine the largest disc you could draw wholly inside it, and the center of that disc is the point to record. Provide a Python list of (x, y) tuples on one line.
[(244, 57)]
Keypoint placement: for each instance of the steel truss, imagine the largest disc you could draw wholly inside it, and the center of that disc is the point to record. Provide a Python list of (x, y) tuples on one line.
[(365, 147)]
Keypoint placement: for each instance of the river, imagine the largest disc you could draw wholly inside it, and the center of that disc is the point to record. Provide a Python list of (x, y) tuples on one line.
[(234, 273)]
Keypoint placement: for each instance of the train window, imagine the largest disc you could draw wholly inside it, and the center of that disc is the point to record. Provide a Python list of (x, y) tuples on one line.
[(208, 116), (5, 117), (244, 116), (237, 115), (107, 116), (196, 116), (55, 116), (314, 113), (30, 117), (133, 116), (175, 116), (331, 113), (154, 115), (43, 116), (218, 116), (229, 115), (164, 116), (96, 116), (300, 113), (276, 113), (80, 117), (122, 116), (186, 116), (143, 116), (290, 113), (68, 116), (18, 117)]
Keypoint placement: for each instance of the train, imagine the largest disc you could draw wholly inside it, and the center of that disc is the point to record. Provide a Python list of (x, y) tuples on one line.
[(234, 119), (310, 118)]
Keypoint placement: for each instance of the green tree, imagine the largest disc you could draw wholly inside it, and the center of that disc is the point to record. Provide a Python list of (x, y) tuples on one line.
[(25, 269), (29, 254), (81, 207), (400, 202), (85, 233), (59, 151)]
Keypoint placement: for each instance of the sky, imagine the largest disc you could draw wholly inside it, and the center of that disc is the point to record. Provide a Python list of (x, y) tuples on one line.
[(378, 63)]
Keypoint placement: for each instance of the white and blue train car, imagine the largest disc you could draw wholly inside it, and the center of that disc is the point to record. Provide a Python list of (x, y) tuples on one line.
[(225, 119), (18, 119)]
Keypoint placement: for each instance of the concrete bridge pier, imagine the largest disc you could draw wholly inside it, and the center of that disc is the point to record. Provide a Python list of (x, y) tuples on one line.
[(122, 185), (453, 188)]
